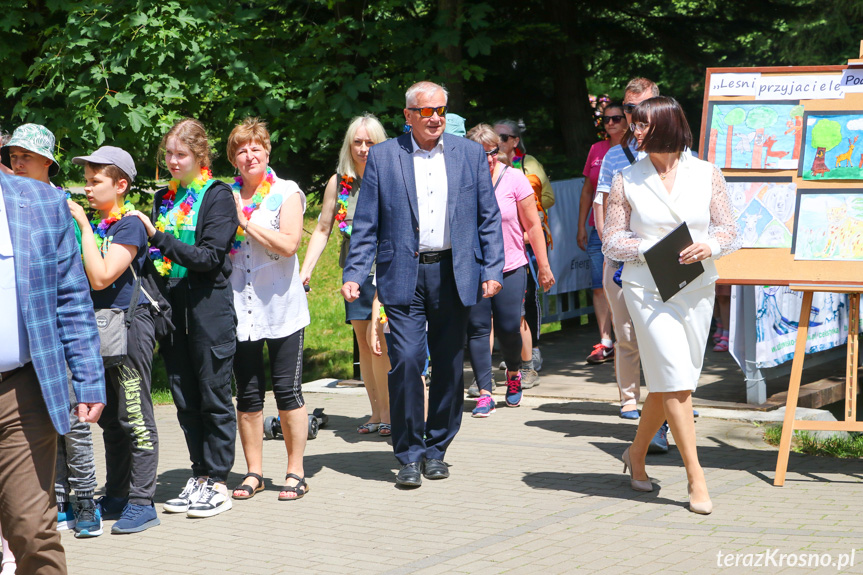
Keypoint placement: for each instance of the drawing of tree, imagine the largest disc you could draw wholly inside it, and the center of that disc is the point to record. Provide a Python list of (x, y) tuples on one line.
[(715, 124), (758, 119), (733, 118), (796, 126), (826, 135)]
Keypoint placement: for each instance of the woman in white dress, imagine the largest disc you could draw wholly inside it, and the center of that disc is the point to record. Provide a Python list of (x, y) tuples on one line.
[(647, 201)]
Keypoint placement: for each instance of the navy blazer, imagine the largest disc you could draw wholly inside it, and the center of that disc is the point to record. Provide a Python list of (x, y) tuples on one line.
[(54, 296), (386, 223)]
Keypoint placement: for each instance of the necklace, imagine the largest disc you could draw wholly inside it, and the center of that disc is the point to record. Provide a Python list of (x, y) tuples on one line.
[(664, 174), (261, 192), (163, 264), (100, 229), (342, 212)]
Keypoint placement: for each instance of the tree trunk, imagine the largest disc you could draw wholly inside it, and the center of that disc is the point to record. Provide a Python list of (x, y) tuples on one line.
[(757, 149), (728, 149), (449, 12), (711, 155), (798, 137)]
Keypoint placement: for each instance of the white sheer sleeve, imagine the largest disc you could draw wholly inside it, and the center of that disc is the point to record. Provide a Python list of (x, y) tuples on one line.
[(723, 234), (619, 243)]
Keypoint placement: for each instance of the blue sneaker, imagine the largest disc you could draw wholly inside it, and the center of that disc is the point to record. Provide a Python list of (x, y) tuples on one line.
[(89, 523), (513, 389), (136, 518), (659, 443), (484, 407), (631, 414), (65, 516), (111, 507)]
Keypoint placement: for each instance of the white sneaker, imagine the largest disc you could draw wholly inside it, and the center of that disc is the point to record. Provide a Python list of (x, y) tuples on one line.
[(213, 499), (536, 358), (187, 496)]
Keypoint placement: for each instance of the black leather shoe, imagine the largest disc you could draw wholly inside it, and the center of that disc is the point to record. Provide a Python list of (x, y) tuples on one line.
[(410, 475), (435, 469)]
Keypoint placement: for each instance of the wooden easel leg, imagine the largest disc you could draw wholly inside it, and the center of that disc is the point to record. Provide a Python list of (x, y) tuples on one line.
[(793, 391), (853, 360)]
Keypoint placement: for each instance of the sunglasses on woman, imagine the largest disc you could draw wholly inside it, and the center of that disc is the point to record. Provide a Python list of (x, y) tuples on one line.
[(505, 137), (492, 152), (429, 111), (616, 119)]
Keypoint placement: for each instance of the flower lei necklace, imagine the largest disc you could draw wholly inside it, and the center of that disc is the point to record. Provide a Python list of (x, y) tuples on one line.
[(261, 192), (517, 158), (342, 213), (100, 229), (163, 264)]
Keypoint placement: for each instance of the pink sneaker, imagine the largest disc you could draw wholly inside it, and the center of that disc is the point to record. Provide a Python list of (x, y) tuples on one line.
[(600, 354)]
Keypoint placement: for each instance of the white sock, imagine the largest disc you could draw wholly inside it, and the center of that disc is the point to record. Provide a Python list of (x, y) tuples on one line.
[(606, 342)]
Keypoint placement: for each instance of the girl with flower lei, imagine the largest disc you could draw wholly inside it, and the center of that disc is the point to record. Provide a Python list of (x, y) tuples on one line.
[(339, 202), (195, 225)]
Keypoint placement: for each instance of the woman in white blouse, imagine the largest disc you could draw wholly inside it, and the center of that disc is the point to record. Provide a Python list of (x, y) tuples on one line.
[(647, 201), (271, 306)]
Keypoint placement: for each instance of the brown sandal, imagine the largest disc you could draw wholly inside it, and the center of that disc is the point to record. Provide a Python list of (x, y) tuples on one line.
[(250, 491), (300, 488)]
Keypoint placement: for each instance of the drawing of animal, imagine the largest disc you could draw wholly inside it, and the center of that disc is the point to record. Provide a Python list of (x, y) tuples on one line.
[(846, 157), (844, 235), (744, 143), (770, 153), (750, 232)]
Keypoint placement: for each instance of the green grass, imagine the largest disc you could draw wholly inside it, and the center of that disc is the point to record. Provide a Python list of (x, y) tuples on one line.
[(805, 442)]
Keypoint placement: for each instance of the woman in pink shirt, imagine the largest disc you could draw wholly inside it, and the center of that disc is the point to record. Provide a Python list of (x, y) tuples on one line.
[(515, 199), (615, 126)]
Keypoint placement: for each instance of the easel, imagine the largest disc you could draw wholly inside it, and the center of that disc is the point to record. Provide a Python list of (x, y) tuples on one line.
[(850, 422)]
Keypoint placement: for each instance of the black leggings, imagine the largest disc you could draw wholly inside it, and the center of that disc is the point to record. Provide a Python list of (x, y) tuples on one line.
[(286, 365), (506, 307)]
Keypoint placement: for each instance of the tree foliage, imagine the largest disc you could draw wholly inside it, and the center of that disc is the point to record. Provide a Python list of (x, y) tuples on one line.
[(122, 72)]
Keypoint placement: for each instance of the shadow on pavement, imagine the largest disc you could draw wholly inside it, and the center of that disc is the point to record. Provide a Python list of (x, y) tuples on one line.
[(603, 484), (577, 428)]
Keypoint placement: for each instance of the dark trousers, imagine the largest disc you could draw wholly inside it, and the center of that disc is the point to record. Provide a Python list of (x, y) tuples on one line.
[(28, 451), (506, 308), (437, 302), (128, 425), (199, 358), (532, 308)]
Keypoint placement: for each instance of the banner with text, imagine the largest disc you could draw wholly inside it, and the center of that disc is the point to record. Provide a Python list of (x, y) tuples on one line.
[(808, 87), (569, 264)]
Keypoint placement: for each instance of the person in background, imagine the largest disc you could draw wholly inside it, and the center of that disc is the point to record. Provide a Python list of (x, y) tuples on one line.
[(647, 200), (339, 205), (195, 225), (29, 154), (271, 306), (114, 249), (513, 153), (519, 219), (613, 120), (7, 562), (598, 111), (49, 324), (627, 362)]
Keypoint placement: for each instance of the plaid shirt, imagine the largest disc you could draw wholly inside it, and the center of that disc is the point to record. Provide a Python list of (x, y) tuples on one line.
[(54, 296)]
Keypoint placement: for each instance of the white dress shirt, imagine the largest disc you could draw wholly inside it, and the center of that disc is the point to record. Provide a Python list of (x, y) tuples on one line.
[(14, 345), (431, 183)]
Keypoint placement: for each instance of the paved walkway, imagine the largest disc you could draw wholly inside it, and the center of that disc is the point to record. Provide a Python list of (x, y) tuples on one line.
[(533, 489)]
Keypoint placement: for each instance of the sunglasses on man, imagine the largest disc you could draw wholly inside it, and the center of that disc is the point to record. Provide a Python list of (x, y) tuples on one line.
[(629, 108), (429, 111), (616, 119)]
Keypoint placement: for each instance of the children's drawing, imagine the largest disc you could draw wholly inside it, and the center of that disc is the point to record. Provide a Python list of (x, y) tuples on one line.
[(829, 146), (829, 226), (764, 211), (761, 136)]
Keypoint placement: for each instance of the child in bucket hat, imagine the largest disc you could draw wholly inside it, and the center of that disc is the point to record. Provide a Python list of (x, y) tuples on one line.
[(29, 153)]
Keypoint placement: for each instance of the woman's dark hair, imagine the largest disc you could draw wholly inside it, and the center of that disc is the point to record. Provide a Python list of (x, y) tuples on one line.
[(669, 131), (613, 104)]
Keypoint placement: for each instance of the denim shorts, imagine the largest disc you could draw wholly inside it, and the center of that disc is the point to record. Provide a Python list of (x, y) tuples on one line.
[(594, 250)]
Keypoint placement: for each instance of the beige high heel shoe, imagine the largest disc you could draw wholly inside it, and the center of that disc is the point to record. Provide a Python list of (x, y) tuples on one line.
[(636, 484), (703, 508)]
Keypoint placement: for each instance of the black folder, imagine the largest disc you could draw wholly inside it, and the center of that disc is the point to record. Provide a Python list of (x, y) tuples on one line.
[(663, 259)]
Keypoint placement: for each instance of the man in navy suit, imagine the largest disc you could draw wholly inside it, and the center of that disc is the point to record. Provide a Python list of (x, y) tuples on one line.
[(49, 323), (427, 212)]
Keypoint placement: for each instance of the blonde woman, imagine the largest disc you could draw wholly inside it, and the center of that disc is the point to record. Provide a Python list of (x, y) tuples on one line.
[(340, 201)]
